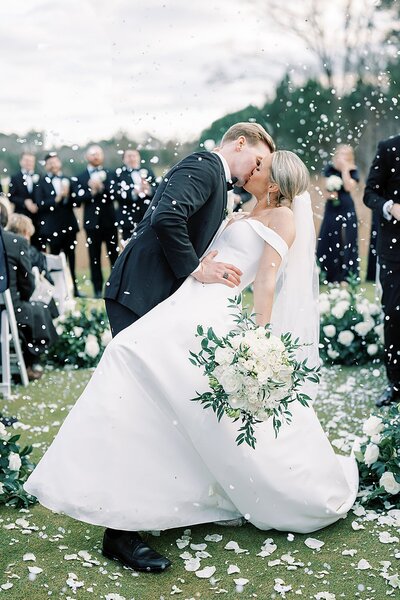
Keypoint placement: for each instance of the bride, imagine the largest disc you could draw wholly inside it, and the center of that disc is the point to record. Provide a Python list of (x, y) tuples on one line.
[(136, 454)]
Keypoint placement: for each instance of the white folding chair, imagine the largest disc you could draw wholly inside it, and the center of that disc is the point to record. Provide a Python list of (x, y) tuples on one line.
[(60, 273), (9, 331)]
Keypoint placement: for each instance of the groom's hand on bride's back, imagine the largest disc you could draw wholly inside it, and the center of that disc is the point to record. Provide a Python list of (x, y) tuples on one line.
[(212, 271)]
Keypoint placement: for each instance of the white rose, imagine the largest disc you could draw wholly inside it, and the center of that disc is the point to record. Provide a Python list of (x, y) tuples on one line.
[(230, 380), (14, 461), (224, 356), (340, 309), (329, 330), (323, 297), (236, 340), (92, 347), (1, 488), (4, 435), (372, 349), (78, 331), (106, 337), (332, 353), (276, 344), (390, 484), (324, 307), (374, 309), (60, 329), (363, 328), (371, 454), (376, 438), (373, 425), (345, 337)]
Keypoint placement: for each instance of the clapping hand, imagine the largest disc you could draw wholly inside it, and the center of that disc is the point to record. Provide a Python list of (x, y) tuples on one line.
[(212, 271)]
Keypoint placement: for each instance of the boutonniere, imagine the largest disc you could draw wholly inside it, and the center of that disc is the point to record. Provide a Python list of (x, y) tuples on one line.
[(35, 178)]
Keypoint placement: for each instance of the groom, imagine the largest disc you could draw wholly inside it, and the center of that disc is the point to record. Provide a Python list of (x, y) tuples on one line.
[(165, 249)]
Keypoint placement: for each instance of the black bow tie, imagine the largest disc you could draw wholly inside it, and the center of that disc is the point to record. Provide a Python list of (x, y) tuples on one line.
[(231, 183)]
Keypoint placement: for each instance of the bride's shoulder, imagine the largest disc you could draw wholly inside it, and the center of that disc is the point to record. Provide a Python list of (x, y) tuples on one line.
[(281, 220)]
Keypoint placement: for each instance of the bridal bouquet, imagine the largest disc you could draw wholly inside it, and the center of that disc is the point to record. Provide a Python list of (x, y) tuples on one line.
[(253, 374), (334, 183)]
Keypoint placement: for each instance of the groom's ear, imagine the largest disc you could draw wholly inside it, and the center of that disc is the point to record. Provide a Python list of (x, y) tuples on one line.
[(240, 142)]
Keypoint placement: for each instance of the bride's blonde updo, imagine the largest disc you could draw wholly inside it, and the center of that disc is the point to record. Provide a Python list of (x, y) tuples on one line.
[(290, 175)]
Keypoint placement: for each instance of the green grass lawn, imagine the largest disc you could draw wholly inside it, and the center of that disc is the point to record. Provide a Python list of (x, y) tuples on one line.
[(346, 396)]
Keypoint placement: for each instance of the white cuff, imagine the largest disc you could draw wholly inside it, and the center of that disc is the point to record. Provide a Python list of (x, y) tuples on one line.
[(385, 210)]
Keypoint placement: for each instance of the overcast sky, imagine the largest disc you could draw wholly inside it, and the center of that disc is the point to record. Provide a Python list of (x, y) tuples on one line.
[(83, 69)]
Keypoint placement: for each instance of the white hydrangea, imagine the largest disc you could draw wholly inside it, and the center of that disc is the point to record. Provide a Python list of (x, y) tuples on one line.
[(345, 337)]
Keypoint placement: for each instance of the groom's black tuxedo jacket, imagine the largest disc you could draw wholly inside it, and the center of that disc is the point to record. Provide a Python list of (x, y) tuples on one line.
[(179, 225), (383, 184)]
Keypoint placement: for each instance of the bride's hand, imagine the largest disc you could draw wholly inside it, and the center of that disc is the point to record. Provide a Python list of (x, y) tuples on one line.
[(217, 272)]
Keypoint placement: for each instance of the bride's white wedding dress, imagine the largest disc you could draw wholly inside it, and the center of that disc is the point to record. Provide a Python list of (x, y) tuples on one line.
[(136, 454)]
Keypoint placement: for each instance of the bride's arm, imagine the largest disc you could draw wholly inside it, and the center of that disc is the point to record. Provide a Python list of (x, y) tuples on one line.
[(264, 285)]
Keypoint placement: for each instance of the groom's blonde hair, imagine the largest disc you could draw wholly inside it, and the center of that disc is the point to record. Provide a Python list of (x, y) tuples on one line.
[(253, 132)]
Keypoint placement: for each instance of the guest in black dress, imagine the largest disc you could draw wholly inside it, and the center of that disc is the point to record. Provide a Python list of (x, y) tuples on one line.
[(337, 248)]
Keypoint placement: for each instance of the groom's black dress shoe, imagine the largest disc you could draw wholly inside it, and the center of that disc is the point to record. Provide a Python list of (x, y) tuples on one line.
[(129, 549), (390, 395)]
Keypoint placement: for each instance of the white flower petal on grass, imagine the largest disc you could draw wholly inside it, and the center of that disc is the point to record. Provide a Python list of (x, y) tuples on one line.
[(233, 569), (214, 537), (206, 573), (181, 543), (85, 555), (198, 546), (357, 526), (281, 587), (185, 555), (70, 557), (386, 538), (192, 564), (35, 570), (325, 596), (6, 586), (350, 552), (313, 543), (29, 556), (363, 565), (114, 597), (393, 580), (241, 581), (234, 546)]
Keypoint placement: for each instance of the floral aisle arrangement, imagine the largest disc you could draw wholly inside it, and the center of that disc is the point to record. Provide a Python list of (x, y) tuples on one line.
[(351, 331), (83, 335), (253, 375), (378, 457), (15, 467)]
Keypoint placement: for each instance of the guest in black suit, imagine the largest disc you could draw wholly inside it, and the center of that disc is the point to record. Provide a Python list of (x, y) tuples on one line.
[(94, 189), (34, 320), (382, 194), (186, 211), (57, 222), (135, 186), (22, 191)]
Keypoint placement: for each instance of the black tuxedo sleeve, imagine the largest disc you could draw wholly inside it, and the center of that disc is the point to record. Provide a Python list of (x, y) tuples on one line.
[(187, 190), (45, 200), (374, 193), (25, 277), (15, 196)]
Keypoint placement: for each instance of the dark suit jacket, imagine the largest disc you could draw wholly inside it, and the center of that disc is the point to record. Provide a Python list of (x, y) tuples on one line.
[(98, 210), (22, 280), (383, 184), (54, 217), (4, 274), (177, 228), (131, 207), (19, 193)]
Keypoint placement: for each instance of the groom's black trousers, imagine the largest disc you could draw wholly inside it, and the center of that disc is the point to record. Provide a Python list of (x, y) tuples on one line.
[(389, 275), (119, 316)]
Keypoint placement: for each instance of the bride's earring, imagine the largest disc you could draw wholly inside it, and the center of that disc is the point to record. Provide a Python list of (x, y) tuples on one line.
[(268, 200)]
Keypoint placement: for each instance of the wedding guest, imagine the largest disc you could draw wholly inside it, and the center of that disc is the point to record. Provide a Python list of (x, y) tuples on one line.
[(135, 187), (34, 321), (94, 189), (337, 248), (382, 195), (23, 226), (22, 190), (57, 221)]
